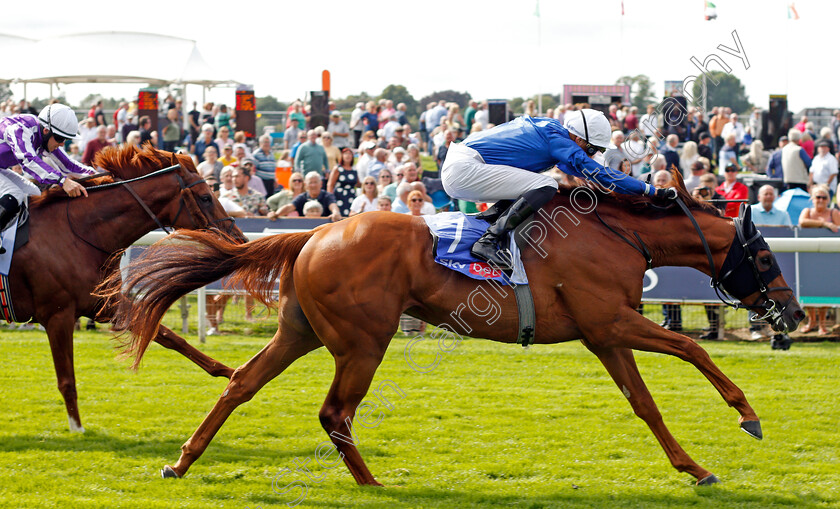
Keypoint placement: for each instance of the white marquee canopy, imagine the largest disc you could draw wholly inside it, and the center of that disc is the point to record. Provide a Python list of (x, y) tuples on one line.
[(108, 57)]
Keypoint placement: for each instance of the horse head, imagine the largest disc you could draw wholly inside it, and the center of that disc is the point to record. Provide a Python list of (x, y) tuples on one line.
[(751, 274), (203, 208)]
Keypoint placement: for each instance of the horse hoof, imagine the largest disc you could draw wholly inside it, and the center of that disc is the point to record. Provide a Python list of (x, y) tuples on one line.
[(753, 429), (709, 479), (167, 473), (75, 426)]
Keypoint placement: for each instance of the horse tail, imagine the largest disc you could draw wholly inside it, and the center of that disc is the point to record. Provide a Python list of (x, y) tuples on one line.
[(170, 269)]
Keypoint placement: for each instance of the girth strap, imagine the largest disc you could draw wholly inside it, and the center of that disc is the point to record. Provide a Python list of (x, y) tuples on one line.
[(6, 308), (524, 299), (527, 315)]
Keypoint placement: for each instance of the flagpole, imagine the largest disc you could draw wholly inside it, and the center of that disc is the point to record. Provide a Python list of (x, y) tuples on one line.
[(539, 55), (621, 37)]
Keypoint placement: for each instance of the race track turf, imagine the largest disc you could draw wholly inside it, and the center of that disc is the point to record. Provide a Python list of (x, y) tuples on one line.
[(491, 425)]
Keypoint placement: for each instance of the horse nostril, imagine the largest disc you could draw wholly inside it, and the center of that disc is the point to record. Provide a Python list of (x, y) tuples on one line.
[(799, 315)]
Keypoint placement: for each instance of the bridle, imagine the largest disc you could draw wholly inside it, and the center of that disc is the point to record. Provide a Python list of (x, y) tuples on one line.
[(740, 266), (186, 195)]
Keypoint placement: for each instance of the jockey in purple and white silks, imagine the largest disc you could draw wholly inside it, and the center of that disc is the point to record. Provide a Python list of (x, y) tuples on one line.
[(28, 141), (505, 164)]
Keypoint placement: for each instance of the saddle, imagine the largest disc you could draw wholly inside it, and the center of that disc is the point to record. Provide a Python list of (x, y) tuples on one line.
[(15, 235), (454, 233)]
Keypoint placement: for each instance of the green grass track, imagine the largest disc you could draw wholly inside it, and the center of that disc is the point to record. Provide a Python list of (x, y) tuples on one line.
[(492, 425)]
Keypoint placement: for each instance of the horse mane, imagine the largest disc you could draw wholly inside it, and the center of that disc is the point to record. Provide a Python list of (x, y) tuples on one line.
[(643, 205), (126, 162)]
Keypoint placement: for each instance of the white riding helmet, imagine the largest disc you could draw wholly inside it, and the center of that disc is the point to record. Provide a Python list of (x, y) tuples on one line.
[(59, 119), (591, 125)]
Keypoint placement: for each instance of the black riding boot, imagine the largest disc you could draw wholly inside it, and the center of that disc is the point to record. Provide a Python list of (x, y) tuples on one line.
[(9, 208), (491, 246), (491, 215)]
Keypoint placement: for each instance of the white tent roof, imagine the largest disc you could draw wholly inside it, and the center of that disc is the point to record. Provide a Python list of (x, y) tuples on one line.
[(110, 57), (14, 50)]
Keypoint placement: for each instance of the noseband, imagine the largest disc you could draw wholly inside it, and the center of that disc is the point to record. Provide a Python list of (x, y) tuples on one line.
[(740, 268)]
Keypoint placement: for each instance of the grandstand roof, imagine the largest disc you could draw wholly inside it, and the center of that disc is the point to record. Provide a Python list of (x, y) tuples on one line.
[(106, 57)]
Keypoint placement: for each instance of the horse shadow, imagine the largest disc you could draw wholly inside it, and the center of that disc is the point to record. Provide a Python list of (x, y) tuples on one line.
[(147, 448), (565, 497)]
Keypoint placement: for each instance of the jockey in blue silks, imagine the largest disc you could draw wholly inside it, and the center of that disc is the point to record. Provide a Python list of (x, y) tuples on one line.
[(28, 141), (505, 164)]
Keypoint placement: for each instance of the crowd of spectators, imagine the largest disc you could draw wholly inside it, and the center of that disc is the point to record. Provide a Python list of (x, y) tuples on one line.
[(372, 159)]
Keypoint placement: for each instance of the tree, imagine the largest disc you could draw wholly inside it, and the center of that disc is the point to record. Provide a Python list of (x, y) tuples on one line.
[(107, 103), (728, 92), (460, 98), (40, 104), (5, 92), (641, 88), (270, 103), (349, 102), (400, 94), (548, 101)]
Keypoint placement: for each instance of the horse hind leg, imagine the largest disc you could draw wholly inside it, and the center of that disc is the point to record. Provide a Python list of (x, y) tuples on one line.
[(59, 329), (621, 366), (353, 375), (287, 345), (356, 361)]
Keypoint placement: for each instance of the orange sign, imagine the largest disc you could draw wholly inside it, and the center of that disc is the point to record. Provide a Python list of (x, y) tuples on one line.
[(147, 100), (245, 100), (325, 80)]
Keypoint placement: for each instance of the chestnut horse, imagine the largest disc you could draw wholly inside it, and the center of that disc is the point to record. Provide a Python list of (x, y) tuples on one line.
[(585, 276), (73, 242)]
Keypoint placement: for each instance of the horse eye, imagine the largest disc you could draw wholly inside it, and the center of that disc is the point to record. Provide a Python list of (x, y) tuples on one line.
[(206, 199), (766, 261)]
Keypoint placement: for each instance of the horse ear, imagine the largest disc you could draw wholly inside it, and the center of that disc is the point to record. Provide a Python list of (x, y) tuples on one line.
[(745, 214), (676, 176)]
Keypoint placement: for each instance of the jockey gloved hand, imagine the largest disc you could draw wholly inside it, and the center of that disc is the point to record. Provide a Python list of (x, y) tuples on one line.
[(669, 193)]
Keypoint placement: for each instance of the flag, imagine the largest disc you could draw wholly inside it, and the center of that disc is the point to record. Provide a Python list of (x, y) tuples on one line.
[(792, 14), (622, 7), (537, 9), (710, 11)]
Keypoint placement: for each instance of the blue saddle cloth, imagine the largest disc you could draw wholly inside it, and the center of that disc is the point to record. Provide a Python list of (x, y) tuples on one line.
[(455, 233), (12, 238)]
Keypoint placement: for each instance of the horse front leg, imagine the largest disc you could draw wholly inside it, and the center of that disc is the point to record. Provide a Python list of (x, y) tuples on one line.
[(622, 368), (636, 332), (60, 333), (168, 339)]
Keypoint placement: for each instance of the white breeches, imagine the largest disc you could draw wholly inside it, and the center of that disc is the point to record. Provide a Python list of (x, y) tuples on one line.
[(465, 176), (17, 186)]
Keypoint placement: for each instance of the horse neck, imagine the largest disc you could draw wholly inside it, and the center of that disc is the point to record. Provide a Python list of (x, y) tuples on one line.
[(127, 220), (674, 241)]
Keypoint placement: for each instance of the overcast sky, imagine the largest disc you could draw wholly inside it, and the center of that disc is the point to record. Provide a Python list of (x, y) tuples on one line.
[(489, 48)]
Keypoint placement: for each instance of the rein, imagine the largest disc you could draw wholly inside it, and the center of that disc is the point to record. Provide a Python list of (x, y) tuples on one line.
[(125, 184), (643, 250), (117, 183)]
